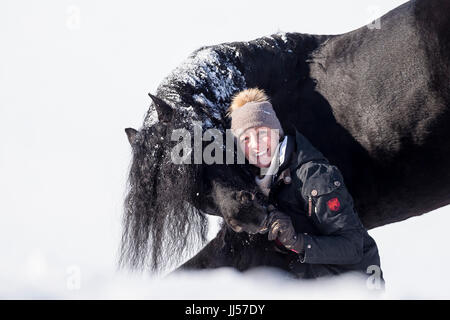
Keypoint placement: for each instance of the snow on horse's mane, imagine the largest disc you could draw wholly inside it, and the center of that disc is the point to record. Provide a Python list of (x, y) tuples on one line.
[(203, 69)]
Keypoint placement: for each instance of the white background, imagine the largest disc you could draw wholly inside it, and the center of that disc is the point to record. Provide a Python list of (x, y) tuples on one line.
[(73, 75)]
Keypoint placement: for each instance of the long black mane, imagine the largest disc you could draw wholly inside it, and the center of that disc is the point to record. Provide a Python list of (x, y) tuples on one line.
[(159, 223)]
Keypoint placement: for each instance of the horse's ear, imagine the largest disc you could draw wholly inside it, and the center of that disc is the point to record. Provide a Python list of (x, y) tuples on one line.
[(131, 134), (164, 110)]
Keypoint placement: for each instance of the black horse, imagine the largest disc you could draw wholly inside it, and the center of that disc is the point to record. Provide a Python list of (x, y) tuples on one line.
[(374, 101)]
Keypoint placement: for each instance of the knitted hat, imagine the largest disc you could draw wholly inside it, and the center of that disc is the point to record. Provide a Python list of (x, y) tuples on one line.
[(254, 114)]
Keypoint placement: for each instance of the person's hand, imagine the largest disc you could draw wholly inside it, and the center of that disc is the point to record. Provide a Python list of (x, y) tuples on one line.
[(281, 228)]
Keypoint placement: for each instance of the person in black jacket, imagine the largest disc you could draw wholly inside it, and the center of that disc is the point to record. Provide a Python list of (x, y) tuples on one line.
[(312, 212)]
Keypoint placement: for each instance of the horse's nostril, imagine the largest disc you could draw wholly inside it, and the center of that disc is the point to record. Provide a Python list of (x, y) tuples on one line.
[(260, 197), (234, 225), (263, 230)]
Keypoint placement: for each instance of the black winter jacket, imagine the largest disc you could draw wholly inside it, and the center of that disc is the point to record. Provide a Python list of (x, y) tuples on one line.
[(322, 210)]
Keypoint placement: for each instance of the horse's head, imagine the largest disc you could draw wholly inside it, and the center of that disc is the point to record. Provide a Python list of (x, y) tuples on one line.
[(243, 208), (248, 213), (166, 202)]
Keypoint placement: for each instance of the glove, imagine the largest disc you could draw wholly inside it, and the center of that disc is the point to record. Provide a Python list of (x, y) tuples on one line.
[(281, 228)]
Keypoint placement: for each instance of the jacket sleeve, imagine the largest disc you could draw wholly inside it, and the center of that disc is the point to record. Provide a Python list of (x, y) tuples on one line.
[(329, 205)]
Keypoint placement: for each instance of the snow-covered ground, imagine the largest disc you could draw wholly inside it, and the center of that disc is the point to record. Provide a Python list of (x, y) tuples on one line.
[(73, 75)]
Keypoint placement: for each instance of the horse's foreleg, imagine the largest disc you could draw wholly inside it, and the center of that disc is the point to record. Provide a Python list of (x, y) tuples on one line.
[(213, 255)]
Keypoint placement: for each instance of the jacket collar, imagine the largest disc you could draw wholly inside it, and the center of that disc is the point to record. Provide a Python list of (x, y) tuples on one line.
[(305, 151), (297, 151), (291, 153)]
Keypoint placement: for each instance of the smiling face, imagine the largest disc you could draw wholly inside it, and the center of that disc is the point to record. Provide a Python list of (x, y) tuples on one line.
[(259, 145)]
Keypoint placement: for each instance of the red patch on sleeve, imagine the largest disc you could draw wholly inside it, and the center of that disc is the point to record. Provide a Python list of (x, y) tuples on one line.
[(334, 204)]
